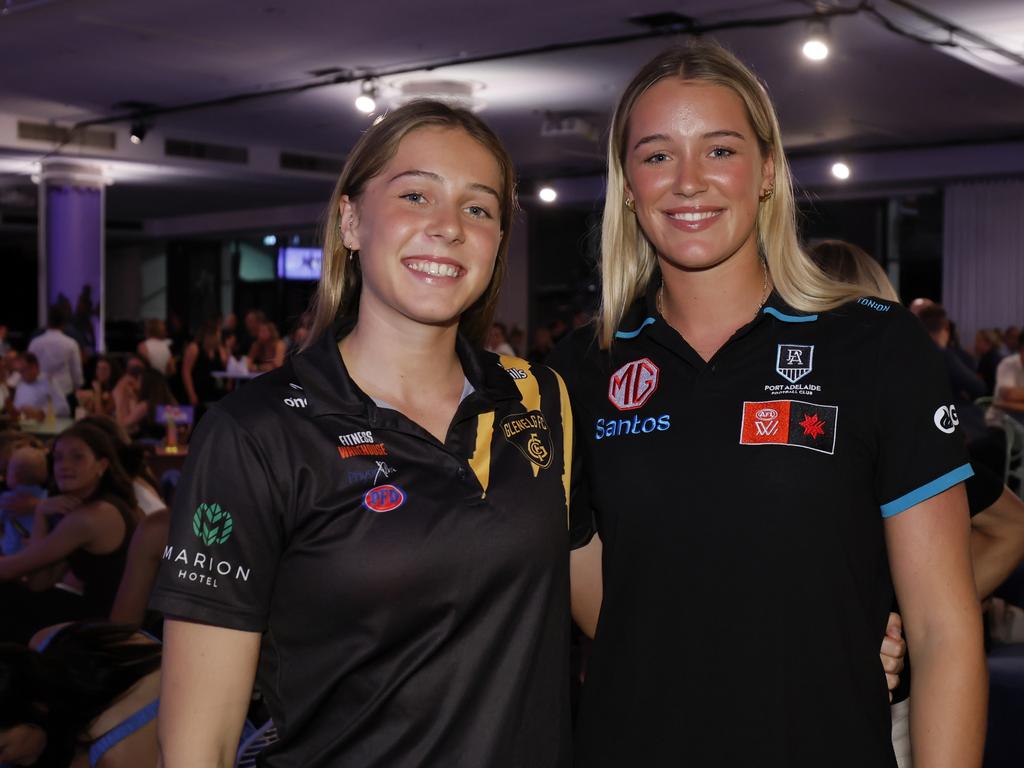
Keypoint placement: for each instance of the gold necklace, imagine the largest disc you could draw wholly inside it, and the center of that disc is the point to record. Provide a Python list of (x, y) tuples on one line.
[(659, 300)]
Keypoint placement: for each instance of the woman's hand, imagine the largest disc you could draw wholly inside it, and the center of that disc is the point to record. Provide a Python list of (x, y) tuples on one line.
[(893, 652), (58, 505)]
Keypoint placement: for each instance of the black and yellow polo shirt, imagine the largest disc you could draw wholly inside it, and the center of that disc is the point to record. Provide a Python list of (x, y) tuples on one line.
[(412, 595), (741, 504)]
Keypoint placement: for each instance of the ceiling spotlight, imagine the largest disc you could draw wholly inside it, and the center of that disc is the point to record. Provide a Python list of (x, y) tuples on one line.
[(547, 194), (841, 171), (816, 44), (366, 101), (270, 240), (138, 132)]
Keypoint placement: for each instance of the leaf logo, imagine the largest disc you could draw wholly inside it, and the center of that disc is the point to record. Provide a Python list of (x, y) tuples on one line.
[(211, 524)]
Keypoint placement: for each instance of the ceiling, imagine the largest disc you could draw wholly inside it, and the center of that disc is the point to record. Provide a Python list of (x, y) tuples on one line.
[(72, 61)]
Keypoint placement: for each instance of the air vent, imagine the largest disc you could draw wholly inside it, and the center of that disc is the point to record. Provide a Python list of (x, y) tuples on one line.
[(665, 20), (124, 226), (199, 151), (56, 134), (21, 219), (293, 161)]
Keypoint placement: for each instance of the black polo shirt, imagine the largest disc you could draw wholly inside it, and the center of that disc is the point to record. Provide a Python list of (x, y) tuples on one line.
[(741, 504), (412, 595)]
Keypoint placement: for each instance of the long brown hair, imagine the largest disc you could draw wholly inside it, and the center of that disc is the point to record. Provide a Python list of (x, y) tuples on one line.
[(337, 295), (115, 481)]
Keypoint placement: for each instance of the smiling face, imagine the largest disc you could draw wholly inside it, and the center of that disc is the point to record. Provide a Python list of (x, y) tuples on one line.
[(21, 744), (695, 171), (427, 228), (76, 468)]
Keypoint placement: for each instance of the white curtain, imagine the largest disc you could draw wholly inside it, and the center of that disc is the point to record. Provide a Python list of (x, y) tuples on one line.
[(983, 255)]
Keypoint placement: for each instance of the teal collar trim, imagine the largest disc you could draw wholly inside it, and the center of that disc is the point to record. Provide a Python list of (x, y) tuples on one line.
[(789, 318), (635, 333)]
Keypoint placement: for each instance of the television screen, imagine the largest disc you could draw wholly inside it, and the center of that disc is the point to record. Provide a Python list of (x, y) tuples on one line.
[(299, 263)]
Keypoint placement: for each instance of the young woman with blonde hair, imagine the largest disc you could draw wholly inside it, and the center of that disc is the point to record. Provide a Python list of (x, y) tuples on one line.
[(768, 450)]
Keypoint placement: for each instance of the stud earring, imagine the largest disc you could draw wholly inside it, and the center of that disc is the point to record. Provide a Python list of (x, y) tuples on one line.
[(766, 195), (631, 204)]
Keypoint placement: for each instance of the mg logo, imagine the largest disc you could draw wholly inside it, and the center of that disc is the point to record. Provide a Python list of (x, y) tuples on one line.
[(633, 384)]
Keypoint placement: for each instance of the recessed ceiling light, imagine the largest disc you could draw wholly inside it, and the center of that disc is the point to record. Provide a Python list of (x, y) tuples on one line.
[(547, 194), (841, 171)]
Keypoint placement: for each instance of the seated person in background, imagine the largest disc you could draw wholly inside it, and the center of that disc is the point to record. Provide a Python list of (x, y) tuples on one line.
[(1009, 390), (80, 694), (129, 408), (35, 392), (136, 397), (1011, 338), (10, 441), (155, 349), (144, 555), (133, 459), (26, 481), (86, 528), (989, 349), (98, 399), (967, 386), (267, 352)]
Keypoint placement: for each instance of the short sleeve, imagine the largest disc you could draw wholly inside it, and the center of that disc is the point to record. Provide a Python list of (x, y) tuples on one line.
[(226, 532), (921, 450)]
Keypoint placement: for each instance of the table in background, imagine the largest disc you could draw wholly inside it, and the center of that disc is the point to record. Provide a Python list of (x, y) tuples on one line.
[(45, 428)]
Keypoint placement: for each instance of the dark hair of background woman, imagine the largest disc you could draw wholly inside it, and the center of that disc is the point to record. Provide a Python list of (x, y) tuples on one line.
[(115, 482)]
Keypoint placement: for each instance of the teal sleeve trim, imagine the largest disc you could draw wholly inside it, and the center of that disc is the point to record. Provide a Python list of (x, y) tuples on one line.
[(789, 318), (634, 334), (935, 487)]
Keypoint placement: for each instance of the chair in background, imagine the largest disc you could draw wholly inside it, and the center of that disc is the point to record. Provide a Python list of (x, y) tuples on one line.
[(1013, 472), (255, 743)]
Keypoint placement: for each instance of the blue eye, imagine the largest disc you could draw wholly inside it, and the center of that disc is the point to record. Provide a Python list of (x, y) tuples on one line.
[(479, 212), (657, 157), (414, 197), (722, 152)]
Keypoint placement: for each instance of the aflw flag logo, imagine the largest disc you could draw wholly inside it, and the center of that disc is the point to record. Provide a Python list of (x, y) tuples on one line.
[(790, 422)]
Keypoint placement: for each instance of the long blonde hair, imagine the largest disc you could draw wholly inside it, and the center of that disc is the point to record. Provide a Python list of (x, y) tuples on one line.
[(852, 265), (337, 295), (627, 257)]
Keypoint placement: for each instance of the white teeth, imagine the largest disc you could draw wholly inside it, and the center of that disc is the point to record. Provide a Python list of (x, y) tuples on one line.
[(434, 268), (693, 216)]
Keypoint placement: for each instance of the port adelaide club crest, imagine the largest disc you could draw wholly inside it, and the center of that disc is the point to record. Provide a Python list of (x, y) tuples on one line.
[(794, 361)]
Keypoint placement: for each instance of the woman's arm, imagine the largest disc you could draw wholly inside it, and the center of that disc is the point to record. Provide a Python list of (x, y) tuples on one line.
[(279, 349), (187, 364), (71, 533), (206, 684), (587, 586), (930, 560), (144, 552), (997, 542)]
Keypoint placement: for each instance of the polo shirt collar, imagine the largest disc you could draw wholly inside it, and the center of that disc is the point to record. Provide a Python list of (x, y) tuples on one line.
[(778, 310), (644, 313), (329, 389)]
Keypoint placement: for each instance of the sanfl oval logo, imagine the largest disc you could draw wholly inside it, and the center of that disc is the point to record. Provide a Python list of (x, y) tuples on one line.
[(211, 524)]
